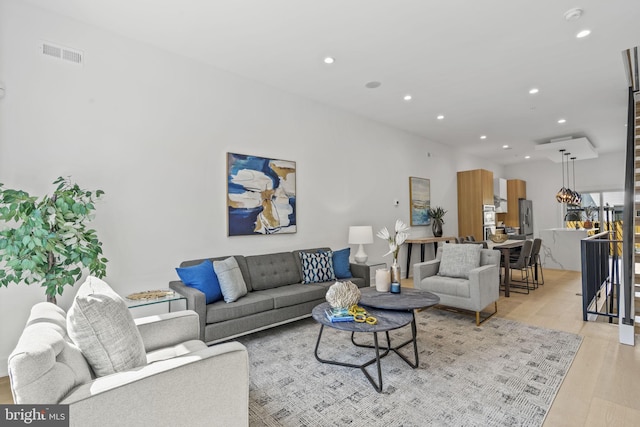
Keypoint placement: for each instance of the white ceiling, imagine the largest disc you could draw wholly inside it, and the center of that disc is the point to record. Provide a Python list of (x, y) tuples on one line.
[(472, 61)]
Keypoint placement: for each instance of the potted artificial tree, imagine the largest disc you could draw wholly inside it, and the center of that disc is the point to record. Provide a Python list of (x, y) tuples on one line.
[(437, 216), (46, 240)]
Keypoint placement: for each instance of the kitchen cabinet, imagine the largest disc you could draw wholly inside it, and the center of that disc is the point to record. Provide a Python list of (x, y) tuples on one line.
[(500, 194), (516, 189), (475, 189)]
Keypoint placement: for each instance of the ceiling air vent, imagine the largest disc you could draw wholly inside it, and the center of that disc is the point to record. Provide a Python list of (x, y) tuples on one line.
[(64, 53), (51, 50)]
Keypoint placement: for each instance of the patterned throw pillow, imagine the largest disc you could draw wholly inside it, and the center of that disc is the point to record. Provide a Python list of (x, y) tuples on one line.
[(317, 267), (458, 259)]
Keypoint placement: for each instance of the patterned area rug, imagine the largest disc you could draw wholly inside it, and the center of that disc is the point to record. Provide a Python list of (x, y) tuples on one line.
[(503, 373)]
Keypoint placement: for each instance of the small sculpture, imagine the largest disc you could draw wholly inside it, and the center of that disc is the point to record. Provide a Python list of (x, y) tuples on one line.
[(343, 294)]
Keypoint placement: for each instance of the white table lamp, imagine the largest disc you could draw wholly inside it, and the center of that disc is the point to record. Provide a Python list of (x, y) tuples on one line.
[(361, 235)]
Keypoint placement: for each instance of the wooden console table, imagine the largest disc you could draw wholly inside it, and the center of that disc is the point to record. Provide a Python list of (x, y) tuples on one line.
[(423, 241)]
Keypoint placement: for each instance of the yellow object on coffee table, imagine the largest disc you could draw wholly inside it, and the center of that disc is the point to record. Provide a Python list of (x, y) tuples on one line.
[(360, 315)]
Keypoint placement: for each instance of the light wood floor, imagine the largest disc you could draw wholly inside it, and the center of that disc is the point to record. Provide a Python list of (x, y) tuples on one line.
[(603, 384)]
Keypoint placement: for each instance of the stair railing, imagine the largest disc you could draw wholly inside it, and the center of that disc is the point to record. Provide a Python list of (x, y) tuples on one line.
[(600, 275), (630, 61), (628, 213)]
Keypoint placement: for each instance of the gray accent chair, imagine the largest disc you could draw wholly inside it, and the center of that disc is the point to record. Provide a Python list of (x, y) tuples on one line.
[(473, 294), (183, 383)]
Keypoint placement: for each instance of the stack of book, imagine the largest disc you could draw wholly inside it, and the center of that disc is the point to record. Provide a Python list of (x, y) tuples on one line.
[(338, 315)]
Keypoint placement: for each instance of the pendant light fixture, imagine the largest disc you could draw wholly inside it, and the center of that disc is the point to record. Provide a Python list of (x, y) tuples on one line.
[(560, 195), (568, 196), (577, 197)]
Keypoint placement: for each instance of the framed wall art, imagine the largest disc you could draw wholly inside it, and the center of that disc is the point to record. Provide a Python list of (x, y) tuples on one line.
[(419, 200), (261, 195)]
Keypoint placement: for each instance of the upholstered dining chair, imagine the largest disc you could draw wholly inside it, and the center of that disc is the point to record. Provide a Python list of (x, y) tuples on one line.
[(522, 264), (535, 263)]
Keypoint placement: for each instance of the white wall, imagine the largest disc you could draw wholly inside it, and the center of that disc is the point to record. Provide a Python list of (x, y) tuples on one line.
[(544, 179), (152, 130)]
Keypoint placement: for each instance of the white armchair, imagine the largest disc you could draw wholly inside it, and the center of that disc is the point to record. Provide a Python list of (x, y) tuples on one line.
[(468, 279), (184, 382)]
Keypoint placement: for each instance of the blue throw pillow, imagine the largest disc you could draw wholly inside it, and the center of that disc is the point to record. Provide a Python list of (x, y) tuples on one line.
[(203, 278), (341, 263)]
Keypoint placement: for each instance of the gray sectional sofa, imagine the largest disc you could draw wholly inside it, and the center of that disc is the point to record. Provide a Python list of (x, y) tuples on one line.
[(276, 295)]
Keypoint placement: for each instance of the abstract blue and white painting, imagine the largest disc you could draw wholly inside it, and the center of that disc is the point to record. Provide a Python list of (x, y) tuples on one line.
[(420, 199), (261, 195)]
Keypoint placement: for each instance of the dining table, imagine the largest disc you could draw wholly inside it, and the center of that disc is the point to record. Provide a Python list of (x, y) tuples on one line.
[(505, 249)]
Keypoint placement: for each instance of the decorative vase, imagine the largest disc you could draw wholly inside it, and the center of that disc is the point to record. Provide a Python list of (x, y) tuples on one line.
[(395, 277), (436, 227), (383, 280)]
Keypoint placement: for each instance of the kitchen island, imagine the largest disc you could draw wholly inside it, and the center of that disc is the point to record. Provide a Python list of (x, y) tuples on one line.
[(561, 248)]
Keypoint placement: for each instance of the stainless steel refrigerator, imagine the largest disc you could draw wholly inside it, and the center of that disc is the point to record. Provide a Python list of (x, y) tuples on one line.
[(525, 209)]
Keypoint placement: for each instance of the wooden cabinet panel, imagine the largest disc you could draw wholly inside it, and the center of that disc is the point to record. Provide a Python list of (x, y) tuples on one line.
[(516, 189), (475, 188)]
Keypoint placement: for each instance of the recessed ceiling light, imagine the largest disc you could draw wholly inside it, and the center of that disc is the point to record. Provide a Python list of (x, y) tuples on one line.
[(561, 121), (533, 91), (407, 97), (440, 117), (505, 146), (483, 137), (573, 14), (372, 85), (583, 33), (527, 157), (329, 60)]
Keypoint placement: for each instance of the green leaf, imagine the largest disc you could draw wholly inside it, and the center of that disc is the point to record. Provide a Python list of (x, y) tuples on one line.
[(31, 228)]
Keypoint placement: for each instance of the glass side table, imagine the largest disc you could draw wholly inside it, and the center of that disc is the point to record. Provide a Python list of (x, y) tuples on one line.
[(170, 298), (373, 266)]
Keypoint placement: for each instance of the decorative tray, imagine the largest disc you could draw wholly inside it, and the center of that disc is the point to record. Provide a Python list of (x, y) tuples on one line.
[(150, 295)]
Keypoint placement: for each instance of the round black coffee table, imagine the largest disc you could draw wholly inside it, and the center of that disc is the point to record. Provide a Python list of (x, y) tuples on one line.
[(405, 302), (387, 321)]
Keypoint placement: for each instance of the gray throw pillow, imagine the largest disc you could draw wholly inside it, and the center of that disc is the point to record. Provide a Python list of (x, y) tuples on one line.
[(102, 327), (458, 259), (230, 277)]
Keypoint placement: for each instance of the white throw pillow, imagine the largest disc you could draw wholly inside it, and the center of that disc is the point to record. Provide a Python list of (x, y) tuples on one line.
[(458, 259), (230, 277), (100, 324)]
